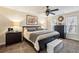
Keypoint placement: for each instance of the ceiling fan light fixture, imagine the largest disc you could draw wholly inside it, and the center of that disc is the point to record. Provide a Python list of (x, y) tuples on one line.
[(49, 11)]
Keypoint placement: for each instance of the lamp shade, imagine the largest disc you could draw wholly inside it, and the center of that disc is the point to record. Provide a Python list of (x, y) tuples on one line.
[(16, 26)]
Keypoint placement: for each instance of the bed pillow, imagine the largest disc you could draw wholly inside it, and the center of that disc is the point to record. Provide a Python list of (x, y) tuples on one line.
[(31, 29)]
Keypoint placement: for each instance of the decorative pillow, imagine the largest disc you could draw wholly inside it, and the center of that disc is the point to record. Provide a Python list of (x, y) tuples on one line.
[(39, 28), (31, 29)]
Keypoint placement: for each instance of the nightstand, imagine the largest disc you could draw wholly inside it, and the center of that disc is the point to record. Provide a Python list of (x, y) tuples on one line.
[(13, 37)]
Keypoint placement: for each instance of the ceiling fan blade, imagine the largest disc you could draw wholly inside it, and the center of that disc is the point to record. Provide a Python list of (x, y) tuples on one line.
[(48, 11), (52, 13), (54, 10)]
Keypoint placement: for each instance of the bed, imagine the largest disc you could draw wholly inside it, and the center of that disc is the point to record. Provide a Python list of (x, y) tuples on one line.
[(39, 38)]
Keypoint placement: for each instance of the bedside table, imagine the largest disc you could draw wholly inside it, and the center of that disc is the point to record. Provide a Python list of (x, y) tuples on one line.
[(13, 37)]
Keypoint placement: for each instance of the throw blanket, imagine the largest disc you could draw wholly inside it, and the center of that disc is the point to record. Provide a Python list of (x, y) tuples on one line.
[(33, 36)]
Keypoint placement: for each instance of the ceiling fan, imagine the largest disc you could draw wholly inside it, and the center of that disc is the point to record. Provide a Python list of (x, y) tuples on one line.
[(49, 11)]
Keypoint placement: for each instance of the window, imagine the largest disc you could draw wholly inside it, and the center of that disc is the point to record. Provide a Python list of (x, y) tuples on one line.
[(71, 23)]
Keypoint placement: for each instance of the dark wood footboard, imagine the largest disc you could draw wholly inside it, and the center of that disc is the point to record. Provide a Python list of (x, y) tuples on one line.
[(43, 43)]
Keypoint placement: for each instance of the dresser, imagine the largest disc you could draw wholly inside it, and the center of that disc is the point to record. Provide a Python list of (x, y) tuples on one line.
[(60, 29), (13, 37)]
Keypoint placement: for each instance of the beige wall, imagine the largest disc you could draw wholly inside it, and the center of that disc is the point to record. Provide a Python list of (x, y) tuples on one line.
[(76, 36), (8, 16), (4, 24), (42, 21)]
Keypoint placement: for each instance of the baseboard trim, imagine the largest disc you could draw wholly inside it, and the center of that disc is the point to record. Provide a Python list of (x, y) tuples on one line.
[(74, 39), (3, 43)]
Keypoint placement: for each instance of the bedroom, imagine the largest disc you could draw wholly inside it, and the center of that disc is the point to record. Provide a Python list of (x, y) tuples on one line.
[(15, 19)]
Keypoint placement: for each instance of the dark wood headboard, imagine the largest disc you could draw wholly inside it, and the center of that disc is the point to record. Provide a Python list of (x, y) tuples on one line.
[(31, 26)]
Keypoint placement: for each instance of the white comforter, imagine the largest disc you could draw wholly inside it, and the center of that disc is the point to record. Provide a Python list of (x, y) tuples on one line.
[(36, 44)]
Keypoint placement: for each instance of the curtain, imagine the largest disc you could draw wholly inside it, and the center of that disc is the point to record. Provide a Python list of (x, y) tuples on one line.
[(71, 24)]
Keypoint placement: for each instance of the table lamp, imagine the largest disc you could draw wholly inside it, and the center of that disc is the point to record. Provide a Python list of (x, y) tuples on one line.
[(16, 26)]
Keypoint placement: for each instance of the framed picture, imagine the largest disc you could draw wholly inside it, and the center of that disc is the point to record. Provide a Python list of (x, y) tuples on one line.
[(31, 20)]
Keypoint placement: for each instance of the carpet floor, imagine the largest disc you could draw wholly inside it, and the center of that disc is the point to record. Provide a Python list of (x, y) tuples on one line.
[(70, 46)]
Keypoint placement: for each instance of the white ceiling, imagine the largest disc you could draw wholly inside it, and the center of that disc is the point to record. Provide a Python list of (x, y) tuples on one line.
[(41, 9)]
